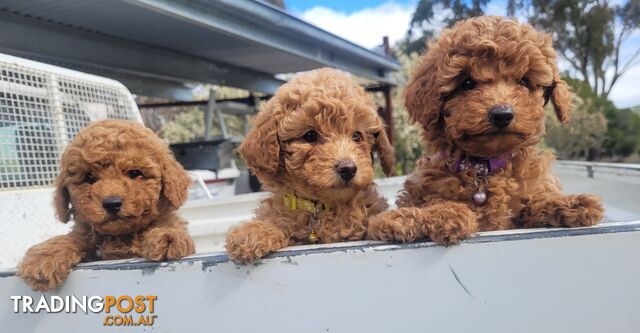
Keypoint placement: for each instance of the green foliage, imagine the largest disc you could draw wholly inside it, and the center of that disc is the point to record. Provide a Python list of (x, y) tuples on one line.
[(421, 23), (583, 136), (408, 143), (589, 34), (186, 126), (422, 20), (622, 137)]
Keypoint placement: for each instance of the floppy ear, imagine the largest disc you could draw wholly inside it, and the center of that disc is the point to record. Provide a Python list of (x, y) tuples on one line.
[(559, 92), (422, 97), (175, 181), (561, 98), (61, 199), (260, 148), (385, 152)]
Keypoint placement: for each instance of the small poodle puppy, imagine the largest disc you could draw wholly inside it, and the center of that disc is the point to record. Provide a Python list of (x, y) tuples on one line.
[(480, 94), (121, 185), (312, 146)]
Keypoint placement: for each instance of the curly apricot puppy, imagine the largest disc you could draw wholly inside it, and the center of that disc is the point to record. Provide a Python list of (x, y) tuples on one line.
[(312, 146), (479, 94), (121, 185)]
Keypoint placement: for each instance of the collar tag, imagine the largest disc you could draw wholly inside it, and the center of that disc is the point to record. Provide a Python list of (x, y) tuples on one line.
[(293, 202), (483, 166)]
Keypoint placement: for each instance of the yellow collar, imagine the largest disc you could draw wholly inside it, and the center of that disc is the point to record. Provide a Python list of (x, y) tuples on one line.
[(293, 202)]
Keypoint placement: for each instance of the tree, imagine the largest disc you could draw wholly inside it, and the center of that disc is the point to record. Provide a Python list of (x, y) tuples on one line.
[(590, 35), (584, 135), (407, 140), (622, 136), (422, 19)]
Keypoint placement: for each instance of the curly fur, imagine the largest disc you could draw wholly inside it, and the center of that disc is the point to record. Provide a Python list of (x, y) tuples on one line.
[(332, 104), (96, 165), (496, 53)]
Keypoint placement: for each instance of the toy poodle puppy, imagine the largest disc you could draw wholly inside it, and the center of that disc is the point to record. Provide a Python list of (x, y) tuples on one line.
[(312, 146), (480, 94), (121, 185)]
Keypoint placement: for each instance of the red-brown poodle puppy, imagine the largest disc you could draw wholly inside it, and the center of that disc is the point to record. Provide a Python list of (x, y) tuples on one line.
[(480, 94), (312, 146), (121, 185)]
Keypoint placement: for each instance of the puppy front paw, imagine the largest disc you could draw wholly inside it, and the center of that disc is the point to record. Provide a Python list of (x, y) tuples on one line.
[(397, 225), (253, 240), (42, 272), (577, 210), (449, 222), (166, 243)]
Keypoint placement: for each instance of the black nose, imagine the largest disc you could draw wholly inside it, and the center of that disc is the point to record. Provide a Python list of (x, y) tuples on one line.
[(346, 169), (501, 115), (112, 204)]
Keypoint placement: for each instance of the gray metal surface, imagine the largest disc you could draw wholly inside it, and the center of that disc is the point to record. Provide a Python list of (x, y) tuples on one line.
[(231, 42), (619, 188), (560, 280), (209, 220)]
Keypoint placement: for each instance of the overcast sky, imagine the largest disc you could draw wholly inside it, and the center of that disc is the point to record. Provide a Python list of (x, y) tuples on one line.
[(364, 22)]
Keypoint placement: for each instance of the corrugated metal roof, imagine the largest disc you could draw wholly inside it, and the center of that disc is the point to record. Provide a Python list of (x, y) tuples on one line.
[(246, 34)]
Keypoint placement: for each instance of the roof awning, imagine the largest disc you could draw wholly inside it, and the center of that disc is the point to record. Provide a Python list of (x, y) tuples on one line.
[(157, 45)]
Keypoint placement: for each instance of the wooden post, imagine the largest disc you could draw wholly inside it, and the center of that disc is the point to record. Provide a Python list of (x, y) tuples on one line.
[(388, 110)]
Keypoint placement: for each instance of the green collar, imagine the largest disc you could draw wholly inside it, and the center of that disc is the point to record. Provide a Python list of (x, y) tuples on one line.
[(294, 202)]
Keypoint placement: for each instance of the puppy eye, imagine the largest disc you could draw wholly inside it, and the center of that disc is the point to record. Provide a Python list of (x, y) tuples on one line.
[(133, 174), (311, 136), (468, 84), (357, 136), (90, 179), (523, 82)]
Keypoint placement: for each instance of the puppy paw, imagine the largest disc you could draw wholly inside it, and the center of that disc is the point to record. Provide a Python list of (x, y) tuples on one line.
[(449, 222), (397, 225), (253, 240), (43, 272), (576, 210), (166, 243)]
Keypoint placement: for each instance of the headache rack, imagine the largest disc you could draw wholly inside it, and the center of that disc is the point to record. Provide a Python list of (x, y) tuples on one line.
[(42, 107)]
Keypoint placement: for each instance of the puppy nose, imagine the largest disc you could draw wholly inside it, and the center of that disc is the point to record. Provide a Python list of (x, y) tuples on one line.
[(346, 169), (501, 115), (112, 204)]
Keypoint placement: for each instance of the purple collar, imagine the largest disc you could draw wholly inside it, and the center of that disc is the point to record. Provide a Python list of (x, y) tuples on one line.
[(483, 165)]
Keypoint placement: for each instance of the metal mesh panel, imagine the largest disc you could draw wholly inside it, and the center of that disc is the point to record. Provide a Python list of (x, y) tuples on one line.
[(83, 99), (41, 111)]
